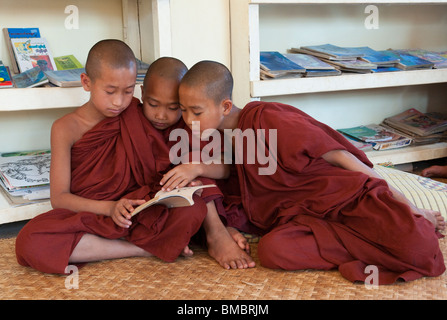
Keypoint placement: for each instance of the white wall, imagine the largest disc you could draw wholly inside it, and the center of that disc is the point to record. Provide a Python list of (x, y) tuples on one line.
[(200, 30)]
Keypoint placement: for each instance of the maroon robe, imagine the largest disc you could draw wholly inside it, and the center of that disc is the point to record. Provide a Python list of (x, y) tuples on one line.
[(319, 216), (120, 157)]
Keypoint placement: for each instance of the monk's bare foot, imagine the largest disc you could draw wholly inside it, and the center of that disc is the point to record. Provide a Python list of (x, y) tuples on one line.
[(435, 171), (434, 217), (239, 239), (227, 252), (187, 252)]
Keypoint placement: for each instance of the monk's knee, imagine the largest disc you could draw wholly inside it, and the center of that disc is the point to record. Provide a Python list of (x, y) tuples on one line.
[(25, 249), (270, 251)]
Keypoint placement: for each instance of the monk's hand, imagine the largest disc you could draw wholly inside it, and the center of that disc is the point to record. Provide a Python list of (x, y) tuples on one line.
[(121, 211), (180, 176)]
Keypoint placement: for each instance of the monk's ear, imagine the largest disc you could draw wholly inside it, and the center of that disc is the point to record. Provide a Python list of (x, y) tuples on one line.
[(227, 104), (86, 81)]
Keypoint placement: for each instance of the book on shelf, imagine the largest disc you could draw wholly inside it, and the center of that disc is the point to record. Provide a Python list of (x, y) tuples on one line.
[(275, 64), (329, 52), (357, 66), (33, 52), (5, 77), (31, 78), (180, 197), (408, 61), (67, 62), (65, 78), (375, 57), (380, 137), (25, 178), (416, 122), (436, 58), (12, 33), (314, 66)]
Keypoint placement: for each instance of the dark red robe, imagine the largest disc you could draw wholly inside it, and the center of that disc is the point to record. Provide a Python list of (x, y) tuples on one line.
[(318, 216), (120, 157)]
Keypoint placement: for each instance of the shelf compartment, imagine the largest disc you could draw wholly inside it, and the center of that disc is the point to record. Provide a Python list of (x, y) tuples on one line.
[(275, 87), (409, 154)]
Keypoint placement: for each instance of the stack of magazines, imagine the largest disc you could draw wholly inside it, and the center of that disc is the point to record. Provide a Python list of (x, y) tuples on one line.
[(25, 177), (424, 128)]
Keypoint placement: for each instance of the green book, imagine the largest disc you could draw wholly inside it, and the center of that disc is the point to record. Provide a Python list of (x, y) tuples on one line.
[(67, 62)]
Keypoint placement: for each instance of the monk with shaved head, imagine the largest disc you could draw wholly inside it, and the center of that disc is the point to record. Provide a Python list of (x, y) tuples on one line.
[(323, 206), (108, 158), (161, 107)]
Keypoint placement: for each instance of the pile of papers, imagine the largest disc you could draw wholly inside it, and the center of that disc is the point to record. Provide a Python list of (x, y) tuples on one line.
[(25, 178)]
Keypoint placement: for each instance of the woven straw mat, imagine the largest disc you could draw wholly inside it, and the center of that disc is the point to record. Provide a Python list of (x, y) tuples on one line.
[(196, 278)]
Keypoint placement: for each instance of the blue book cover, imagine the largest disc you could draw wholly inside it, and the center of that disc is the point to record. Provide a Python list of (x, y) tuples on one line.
[(275, 61), (333, 52), (23, 32), (31, 78), (5, 79), (374, 56), (408, 61)]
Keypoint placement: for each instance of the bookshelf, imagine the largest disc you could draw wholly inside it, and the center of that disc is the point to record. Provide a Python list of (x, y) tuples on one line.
[(19, 108), (248, 26)]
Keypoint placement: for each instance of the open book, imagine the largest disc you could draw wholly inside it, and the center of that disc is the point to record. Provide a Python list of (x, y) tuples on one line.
[(181, 197)]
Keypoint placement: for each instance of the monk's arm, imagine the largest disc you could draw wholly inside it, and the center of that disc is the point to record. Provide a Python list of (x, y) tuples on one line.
[(183, 174), (60, 176), (346, 160)]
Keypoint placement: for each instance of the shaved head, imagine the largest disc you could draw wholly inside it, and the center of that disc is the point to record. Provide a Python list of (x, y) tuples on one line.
[(167, 68), (213, 78), (109, 53)]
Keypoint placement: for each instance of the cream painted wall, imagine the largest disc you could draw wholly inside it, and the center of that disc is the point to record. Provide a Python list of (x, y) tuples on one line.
[(200, 30)]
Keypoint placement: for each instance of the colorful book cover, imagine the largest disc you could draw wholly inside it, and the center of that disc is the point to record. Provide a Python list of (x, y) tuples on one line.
[(65, 78), (435, 57), (275, 61), (334, 52), (408, 61), (5, 78), (33, 52), (67, 62), (374, 56), (10, 33), (30, 78), (308, 62)]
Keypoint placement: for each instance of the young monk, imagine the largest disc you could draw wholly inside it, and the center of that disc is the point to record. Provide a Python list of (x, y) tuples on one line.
[(161, 108), (106, 157), (323, 206)]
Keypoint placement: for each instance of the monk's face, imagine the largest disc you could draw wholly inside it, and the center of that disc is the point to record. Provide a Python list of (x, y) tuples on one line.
[(197, 107), (111, 91), (161, 102)]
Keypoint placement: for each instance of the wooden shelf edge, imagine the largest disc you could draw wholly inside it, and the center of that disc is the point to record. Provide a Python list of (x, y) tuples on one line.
[(275, 87), (409, 154)]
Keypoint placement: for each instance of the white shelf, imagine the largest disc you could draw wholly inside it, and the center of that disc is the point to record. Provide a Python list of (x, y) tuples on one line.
[(274, 87), (15, 99), (11, 214), (409, 154)]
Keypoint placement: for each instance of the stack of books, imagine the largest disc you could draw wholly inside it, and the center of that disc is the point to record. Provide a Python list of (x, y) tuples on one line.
[(342, 58), (276, 65), (424, 128), (377, 136), (25, 177)]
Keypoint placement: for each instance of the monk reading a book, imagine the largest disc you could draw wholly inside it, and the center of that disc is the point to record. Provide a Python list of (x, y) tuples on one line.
[(323, 206), (106, 158)]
